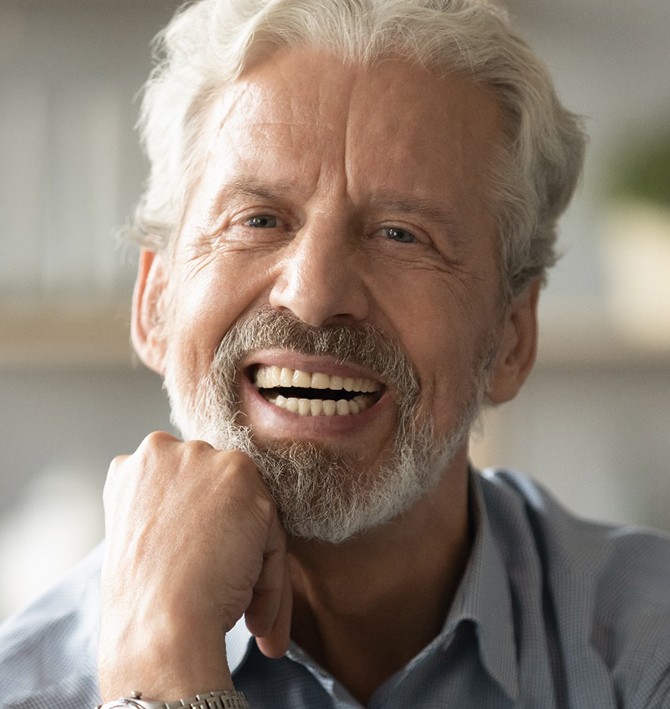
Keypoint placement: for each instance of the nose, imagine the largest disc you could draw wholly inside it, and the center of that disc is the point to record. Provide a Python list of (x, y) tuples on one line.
[(320, 276)]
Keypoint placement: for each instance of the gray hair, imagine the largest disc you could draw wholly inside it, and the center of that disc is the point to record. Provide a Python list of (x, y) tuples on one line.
[(209, 43)]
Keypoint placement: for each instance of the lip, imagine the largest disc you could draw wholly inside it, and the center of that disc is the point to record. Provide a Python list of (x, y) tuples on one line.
[(275, 422)]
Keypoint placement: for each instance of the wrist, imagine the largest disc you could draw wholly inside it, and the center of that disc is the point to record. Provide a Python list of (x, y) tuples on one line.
[(163, 662)]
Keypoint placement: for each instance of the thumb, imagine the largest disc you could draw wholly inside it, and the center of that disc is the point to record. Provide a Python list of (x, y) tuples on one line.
[(275, 643), (268, 615)]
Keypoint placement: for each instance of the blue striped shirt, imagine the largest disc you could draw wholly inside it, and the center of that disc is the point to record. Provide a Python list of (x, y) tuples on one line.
[(552, 613)]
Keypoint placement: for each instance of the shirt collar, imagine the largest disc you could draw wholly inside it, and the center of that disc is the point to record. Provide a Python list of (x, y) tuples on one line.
[(483, 597)]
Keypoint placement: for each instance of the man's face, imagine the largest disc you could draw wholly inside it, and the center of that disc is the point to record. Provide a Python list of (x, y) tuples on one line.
[(345, 200)]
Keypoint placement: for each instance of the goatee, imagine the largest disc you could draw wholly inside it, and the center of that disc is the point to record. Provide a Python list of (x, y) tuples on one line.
[(321, 493)]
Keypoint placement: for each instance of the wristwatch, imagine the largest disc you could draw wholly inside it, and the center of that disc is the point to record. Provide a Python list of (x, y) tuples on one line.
[(210, 700)]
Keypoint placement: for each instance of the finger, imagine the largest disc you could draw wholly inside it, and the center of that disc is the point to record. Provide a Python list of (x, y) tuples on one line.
[(276, 643), (268, 589), (118, 468)]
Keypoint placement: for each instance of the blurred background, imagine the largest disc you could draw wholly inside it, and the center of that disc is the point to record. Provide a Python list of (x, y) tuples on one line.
[(593, 422)]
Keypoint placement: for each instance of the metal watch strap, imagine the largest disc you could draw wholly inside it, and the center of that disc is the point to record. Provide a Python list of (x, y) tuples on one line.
[(228, 699), (211, 700)]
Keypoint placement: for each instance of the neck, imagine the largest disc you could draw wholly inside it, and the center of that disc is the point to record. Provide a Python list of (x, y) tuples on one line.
[(407, 571)]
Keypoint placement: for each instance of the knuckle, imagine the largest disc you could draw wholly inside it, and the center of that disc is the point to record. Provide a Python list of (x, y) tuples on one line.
[(238, 462), (196, 448), (240, 472), (153, 448), (156, 440)]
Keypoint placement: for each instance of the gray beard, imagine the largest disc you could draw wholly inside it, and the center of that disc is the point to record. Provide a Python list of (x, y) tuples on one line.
[(320, 493)]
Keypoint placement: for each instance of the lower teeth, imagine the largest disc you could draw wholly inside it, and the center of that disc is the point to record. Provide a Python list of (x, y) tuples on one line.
[(321, 407)]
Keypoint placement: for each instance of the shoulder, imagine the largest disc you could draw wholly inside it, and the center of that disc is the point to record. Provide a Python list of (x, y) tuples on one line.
[(615, 558), (607, 585), (48, 650)]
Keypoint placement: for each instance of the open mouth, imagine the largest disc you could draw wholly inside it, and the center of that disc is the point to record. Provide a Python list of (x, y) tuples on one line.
[(315, 393)]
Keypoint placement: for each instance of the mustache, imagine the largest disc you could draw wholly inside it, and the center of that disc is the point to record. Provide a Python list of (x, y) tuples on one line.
[(365, 345)]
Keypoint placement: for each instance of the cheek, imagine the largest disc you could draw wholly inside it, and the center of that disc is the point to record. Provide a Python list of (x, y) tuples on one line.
[(447, 348), (446, 375), (210, 297), (212, 294), (198, 319)]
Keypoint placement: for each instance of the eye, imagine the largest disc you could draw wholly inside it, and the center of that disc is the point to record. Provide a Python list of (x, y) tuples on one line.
[(262, 221), (400, 235)]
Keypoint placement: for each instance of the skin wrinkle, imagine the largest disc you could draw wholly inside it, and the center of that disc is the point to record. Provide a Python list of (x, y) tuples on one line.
[(302, 476), (460, 159), (253, 188), (197, 157), (394, 477), (249, 91), (346, 143), (233, 95), (368, 147), (289, 156)]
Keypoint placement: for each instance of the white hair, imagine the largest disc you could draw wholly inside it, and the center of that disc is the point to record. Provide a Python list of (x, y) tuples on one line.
[(210, 43)]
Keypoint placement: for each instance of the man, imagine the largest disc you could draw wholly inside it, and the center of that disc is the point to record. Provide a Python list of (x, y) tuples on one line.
[(351, 209)]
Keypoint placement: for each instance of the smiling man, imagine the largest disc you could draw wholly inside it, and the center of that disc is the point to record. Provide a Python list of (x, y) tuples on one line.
[(350, 212)]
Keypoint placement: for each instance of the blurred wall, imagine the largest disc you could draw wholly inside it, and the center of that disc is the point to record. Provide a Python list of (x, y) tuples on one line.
[(592, 422), (70, 172)]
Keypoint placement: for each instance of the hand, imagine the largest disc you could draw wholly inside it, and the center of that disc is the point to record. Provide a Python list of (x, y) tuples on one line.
[(193, 543)]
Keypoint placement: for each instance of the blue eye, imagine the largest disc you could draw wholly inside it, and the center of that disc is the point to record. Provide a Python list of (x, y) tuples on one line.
[(401, 235), (262, 221)]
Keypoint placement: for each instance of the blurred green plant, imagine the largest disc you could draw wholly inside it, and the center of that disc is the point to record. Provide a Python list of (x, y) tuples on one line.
[(641, 172)]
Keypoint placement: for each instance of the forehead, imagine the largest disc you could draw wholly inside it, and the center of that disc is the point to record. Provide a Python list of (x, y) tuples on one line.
[(303, 116)]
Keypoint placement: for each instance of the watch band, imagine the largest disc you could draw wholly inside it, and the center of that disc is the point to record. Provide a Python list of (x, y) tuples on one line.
[(211, 700), (228, 699)]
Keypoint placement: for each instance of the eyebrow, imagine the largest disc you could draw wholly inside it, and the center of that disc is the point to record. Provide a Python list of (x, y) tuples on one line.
[(420, 207), (250, 187), (440, 216)]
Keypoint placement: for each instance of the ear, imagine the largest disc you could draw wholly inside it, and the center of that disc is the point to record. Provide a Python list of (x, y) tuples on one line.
[(518, 346), (147, 322)]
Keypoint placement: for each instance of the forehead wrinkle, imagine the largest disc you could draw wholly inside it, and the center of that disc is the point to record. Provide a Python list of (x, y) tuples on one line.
[(348, 166)]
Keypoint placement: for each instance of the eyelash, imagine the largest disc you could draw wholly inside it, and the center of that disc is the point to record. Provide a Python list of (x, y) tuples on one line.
[(262, 217), (391, 232)]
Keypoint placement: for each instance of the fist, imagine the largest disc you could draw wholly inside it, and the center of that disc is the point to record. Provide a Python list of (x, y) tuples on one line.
[(193, 542)]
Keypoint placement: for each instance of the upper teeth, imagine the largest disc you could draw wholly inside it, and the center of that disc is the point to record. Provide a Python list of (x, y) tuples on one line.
[(274, 377), (284, 378)]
